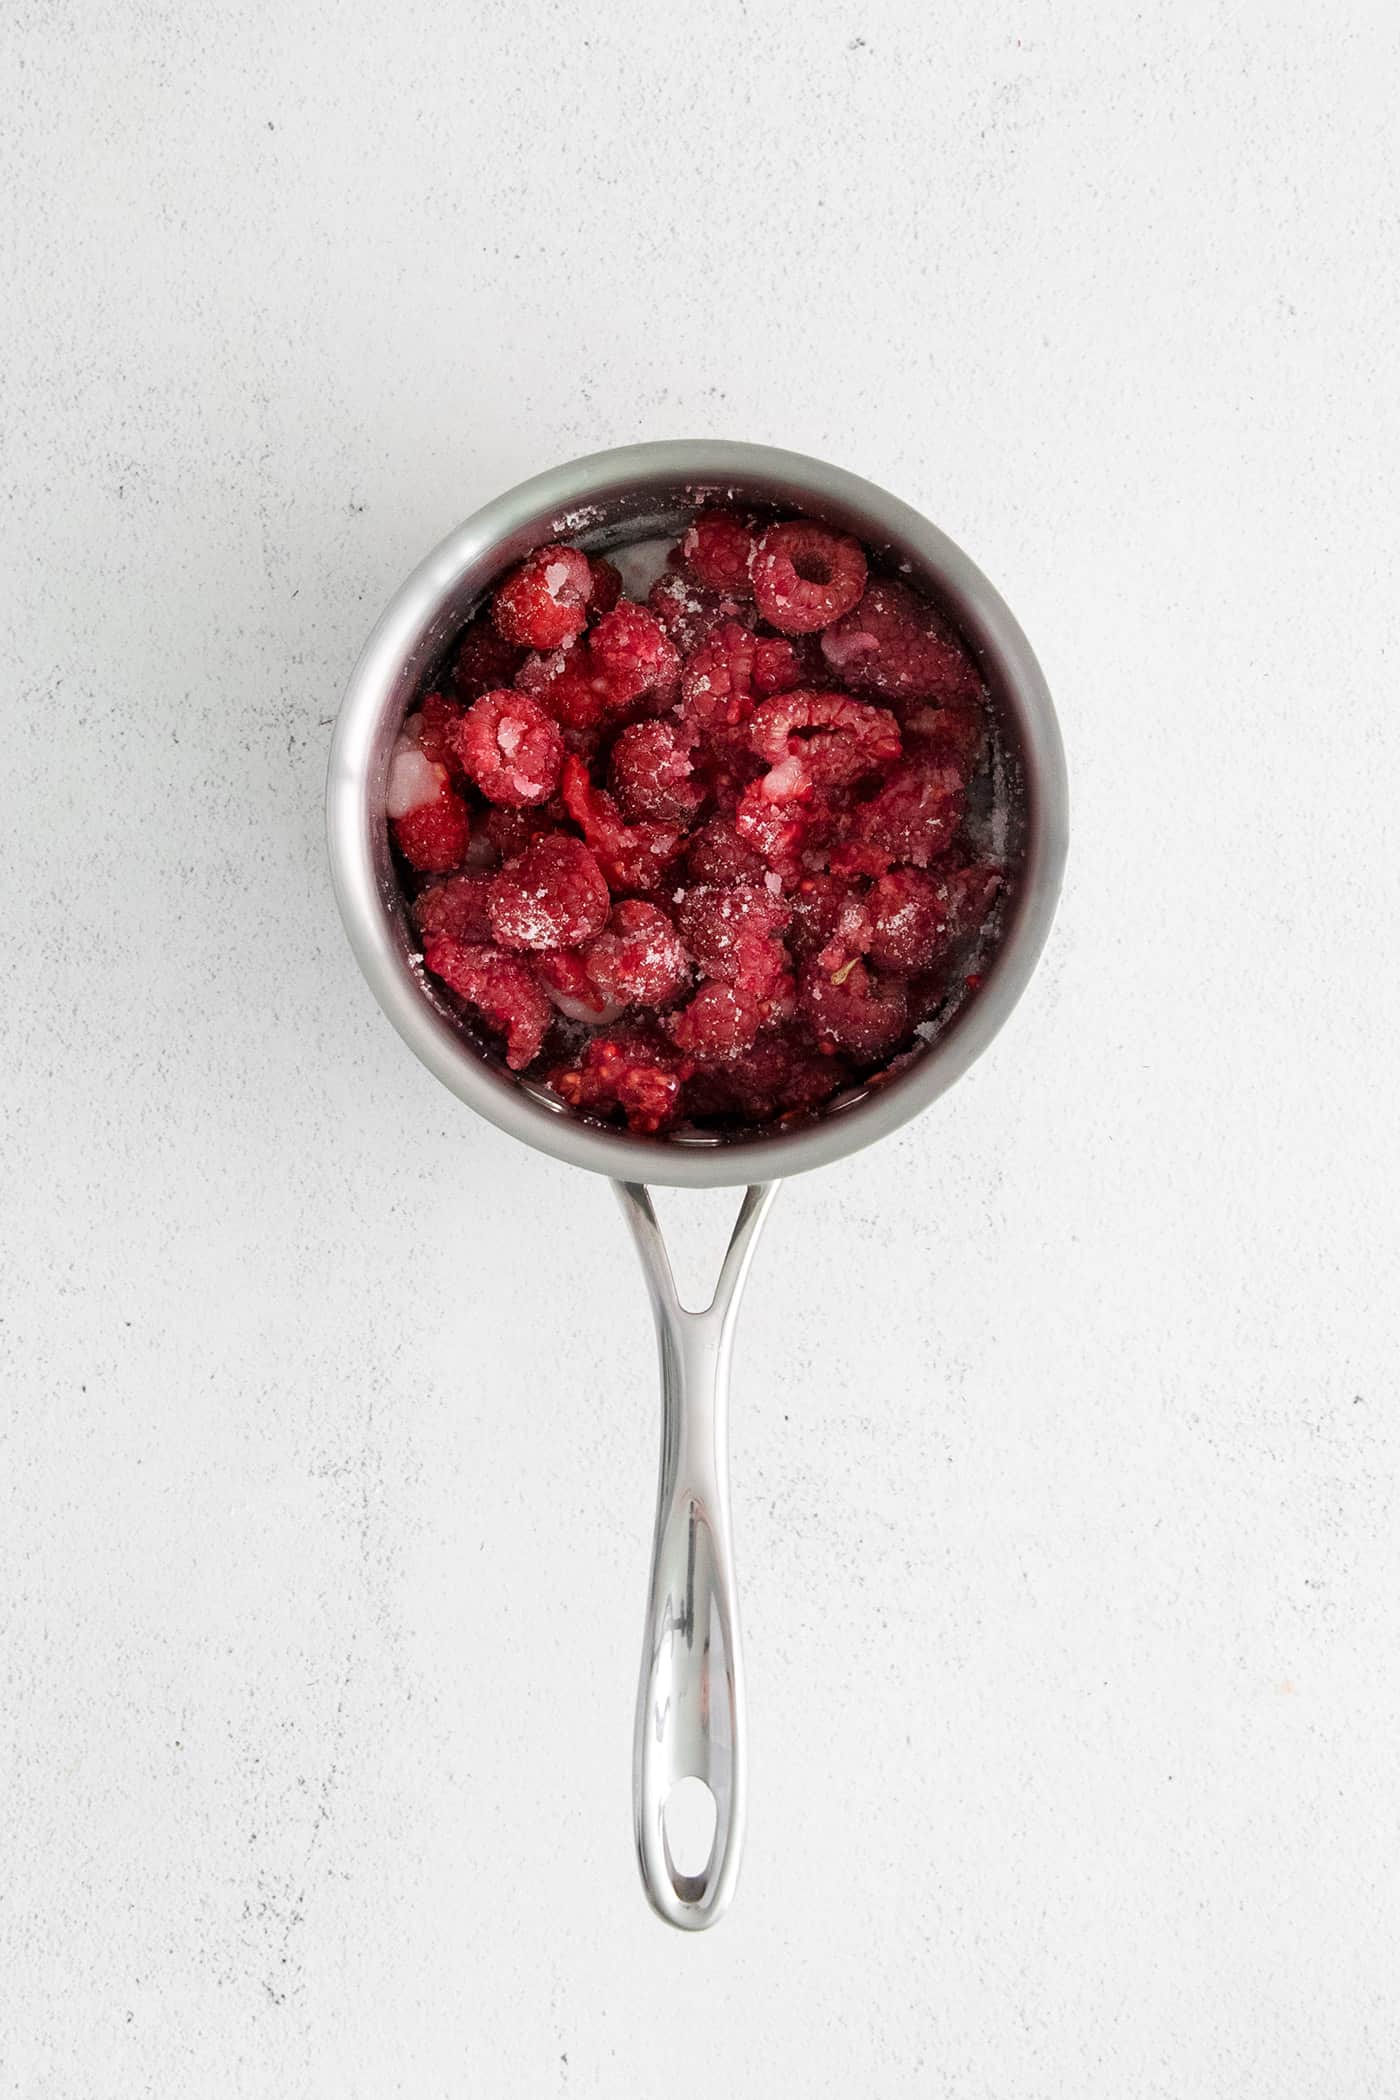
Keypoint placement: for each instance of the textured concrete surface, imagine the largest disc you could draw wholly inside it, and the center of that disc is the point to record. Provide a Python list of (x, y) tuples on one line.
[(1066, 1443)]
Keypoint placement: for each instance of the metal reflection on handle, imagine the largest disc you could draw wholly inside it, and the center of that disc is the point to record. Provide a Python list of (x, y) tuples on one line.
[(690, 1704)]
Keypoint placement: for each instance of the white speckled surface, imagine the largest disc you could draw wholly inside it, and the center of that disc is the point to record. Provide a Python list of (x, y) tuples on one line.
[(1065, 1438)]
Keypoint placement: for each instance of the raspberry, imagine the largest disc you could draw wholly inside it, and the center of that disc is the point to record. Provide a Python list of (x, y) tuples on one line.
[(820, 905), (805, 576), (898, 646), (779, 665), (718, 856), (632, 856), (689, 614), (629, 1070), (567, 686), (427, 817), (607, 587), (437, 731), (836, 740), (511, 748), (484, 660), (717, 681), (852, 1009), (632, 652), (957, 734), (733, 936), (909, 920), (553, 896), (772, 1078), (511, 830), (544, 602), (651, 771), (716, 552), (719, 1023), (638, 960), (570, 986), (456, 907), (500, 987), (772, 825), (911, 819)]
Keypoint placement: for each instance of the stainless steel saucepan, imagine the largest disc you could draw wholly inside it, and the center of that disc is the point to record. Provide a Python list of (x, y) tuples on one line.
[(690, 1709)]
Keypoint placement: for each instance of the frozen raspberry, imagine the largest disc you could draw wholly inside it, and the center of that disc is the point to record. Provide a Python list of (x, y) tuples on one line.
[(569, 985), (718, 1024), (898, 646), (632, 652), (732, 933), (958, 734), (632, 856), (718, 856), (716, 552), (511, 748), (837, 740), (553, 896), (456, 907), (427, 817), (501, 988), (770, 817), (820, 904), (689, 614), (652, 772), (780, 665), (607, 588), (545, 601), (631, 1070), (805, 576), (911, 820), (854, 1010), (484, 660), (638, 959), (437, 731), (717, 681), (511, 830), (909, 920), (568, 686)]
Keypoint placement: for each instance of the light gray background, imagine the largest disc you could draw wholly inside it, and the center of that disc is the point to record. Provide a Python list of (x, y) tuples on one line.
[(1065, 1441)]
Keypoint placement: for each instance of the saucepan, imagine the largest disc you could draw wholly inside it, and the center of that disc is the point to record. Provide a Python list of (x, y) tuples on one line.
[(690, 1707)]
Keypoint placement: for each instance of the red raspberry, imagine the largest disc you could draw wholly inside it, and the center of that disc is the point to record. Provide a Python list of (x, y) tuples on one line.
[(500, 987), (717, 681), (718, 1024), (820, 905), (511, 830), (718, 856), (427, 817), (544, 602), (638, 960), (911, 820), (690, 615), (437, 731), (957, 734), (652, 772), (898, 646), (733, 936), (631, 1070), (909, 920), (485, 660), (570, 986), (716, 552), (632, 856), (852, 1009), (773, 1078), (568, 686), (772, 821), (805, 576), (456, 907), (511, 748), (553, 896), (632, 652), (607, 587), (779, 665), (837, 740)]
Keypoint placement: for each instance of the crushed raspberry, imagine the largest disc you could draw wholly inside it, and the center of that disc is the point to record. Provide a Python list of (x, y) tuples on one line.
[(690, 614), (501, 988), (484, 660), (632, 856), (629, 1070), (607, 588), (852, 1009), (778, 881), (456, 907), (544, 602), (633, 654), (718, 856), (638, 959), (837, 740), (553, 896), (900, 647), (511, 748), (805, 576), (716, 552)]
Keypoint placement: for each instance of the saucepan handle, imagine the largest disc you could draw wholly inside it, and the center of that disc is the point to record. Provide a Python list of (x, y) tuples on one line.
[(690, 1703)]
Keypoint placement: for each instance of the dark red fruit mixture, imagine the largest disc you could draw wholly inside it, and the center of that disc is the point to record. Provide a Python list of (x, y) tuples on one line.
[(707, 862)]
